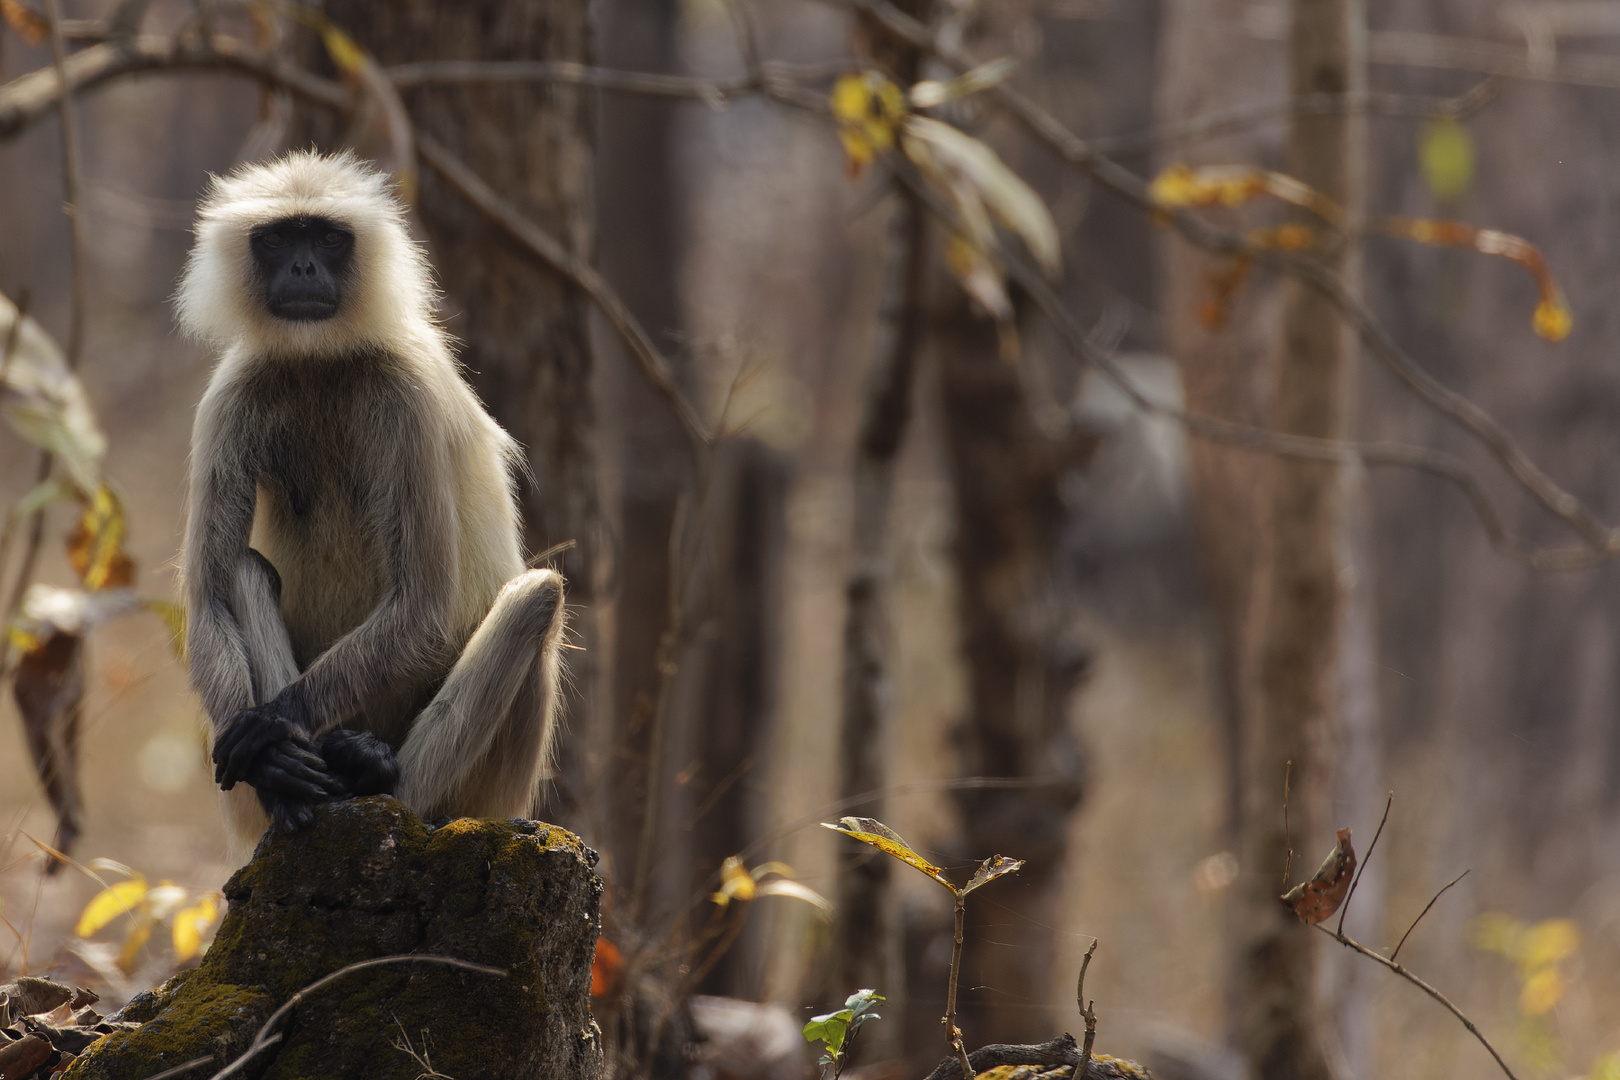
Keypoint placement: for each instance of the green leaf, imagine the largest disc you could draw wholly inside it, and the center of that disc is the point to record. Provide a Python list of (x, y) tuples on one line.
[(874, 832), (831, 1029), (993, 867)]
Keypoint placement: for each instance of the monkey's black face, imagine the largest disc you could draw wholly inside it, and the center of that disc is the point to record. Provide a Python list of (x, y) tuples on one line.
[(304, 263)]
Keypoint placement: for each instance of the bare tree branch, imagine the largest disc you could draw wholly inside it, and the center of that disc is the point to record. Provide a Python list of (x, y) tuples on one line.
[(1243, 117), (1353, 944), (551, 251), (775, 80), (29, 97)]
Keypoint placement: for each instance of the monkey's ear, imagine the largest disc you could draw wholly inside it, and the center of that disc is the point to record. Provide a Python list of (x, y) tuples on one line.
[(361, 762)]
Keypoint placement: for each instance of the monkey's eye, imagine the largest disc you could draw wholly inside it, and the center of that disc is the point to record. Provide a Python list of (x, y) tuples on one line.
[(331, 239), (272, 239)]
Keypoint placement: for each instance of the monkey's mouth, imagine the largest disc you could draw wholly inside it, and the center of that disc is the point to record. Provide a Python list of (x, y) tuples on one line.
[(304, 310)]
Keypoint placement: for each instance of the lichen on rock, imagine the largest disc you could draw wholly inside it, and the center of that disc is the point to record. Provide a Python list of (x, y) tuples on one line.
[(368, 879)]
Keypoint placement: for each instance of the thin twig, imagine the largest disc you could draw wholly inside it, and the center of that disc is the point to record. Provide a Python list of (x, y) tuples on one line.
[(1242, 117), (1088, 1012), (499, 212), (1353, 944), (953, 1035), (264, 1038), (1288, 858), (1344, 909), (1424, 912)]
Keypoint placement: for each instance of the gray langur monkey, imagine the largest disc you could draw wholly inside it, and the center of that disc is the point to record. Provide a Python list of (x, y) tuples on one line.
[(359, 616)]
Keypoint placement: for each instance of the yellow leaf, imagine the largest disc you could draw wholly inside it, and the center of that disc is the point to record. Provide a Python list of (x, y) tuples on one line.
[(1548, 942), (1541, 992), (1446, 154), (190, 924), (30, 26), (1552, 320), (121, 899), (868, 109), (874, 832), (95, 548), (24, 641), (134, 942), (735, 882)]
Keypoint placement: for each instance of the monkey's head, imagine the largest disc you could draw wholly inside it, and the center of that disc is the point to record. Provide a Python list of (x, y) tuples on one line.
[(307, 255)]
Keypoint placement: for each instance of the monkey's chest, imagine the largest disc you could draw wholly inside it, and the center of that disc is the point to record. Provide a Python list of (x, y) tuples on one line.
[(318, 522)]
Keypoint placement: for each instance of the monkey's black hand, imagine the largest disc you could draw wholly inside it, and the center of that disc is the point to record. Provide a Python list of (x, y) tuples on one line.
[(290, 779), (361, 762), (253, 731)]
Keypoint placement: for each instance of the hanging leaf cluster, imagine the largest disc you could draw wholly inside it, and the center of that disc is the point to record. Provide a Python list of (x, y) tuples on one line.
[(44, 401), (875, 116)]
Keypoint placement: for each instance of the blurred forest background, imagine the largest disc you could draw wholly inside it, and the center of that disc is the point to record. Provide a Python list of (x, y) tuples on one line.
[(847, 544)]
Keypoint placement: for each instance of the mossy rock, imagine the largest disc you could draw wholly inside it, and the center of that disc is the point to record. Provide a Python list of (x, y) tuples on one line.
[(368, 879)]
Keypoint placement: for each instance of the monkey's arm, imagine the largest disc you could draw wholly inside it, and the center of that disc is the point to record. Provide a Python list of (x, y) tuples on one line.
[(222, 497), (406, 638)]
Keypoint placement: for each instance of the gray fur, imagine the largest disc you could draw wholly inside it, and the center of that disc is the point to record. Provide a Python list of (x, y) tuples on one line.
[(358, 463)]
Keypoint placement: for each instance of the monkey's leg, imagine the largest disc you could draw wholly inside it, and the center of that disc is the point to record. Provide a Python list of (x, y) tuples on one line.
[(479, 747)]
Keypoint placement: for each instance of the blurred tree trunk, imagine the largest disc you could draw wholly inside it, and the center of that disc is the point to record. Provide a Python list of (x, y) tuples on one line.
[(523, 330), (728, 731), (641, 249), (1300, 604), (1022, 667)]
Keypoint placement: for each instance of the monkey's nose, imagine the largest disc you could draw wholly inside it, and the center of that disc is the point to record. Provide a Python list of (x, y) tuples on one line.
[(306, 269)]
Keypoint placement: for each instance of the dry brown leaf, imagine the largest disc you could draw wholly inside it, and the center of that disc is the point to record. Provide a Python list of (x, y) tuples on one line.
[(49, 690), (993, 867), (1320, 897)]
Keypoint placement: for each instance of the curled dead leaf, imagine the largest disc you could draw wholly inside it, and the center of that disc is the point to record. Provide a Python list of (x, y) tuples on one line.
[(1318, 898)]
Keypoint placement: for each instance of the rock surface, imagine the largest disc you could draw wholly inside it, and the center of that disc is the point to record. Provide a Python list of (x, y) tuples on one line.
[(368, 879)]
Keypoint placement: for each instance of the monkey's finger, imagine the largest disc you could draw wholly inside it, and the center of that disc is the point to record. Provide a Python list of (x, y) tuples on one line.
[(285, 774)]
